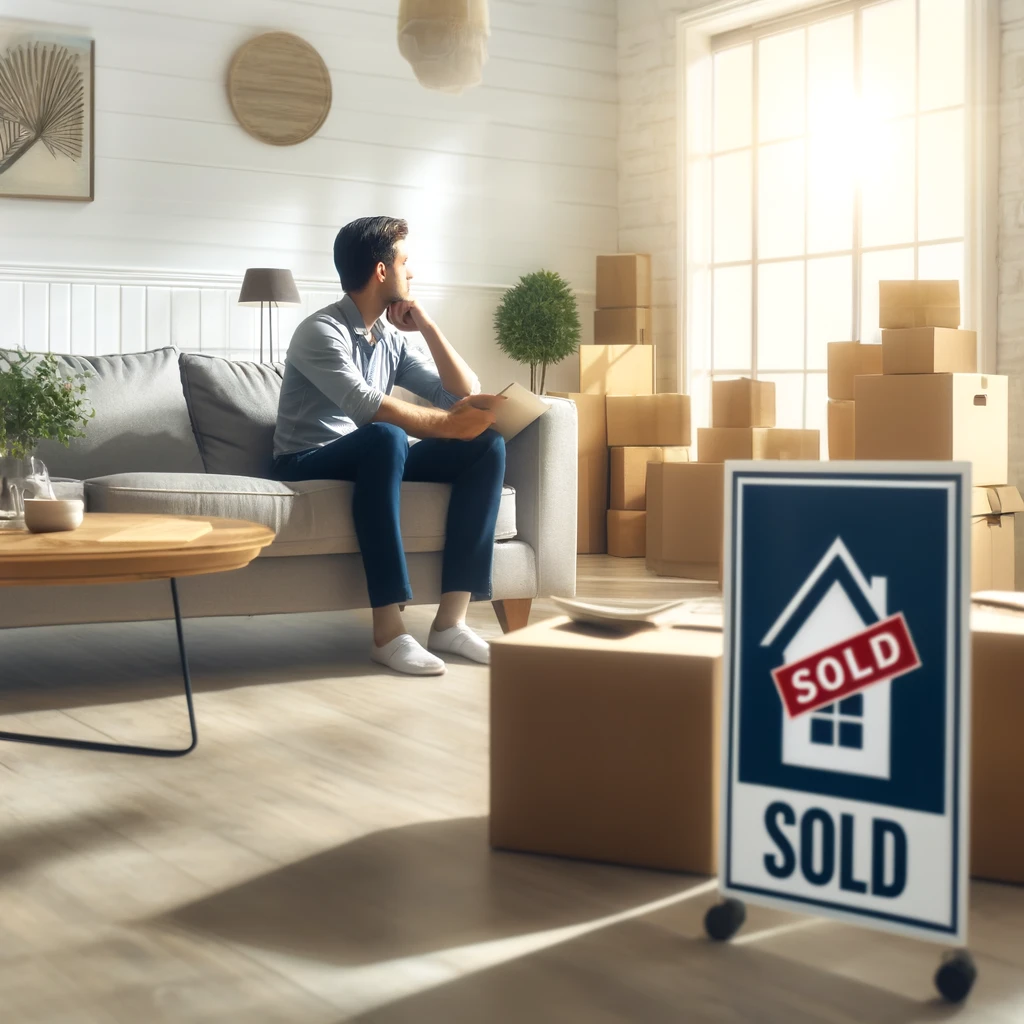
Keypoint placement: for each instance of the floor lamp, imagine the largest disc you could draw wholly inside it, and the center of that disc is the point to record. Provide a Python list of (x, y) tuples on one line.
[(269, 287)]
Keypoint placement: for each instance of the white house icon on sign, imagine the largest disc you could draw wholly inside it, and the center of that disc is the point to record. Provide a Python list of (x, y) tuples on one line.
[(836, 601)]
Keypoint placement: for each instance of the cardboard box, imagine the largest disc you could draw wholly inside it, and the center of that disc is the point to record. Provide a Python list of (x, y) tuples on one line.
[(959, 416), (904, 304), (629, 473), (992, 530), (841, 429), (591, 419), (617, 369), (629, 326), (685, 519), (592, 504), (606, 747), (627, 533), (720, 444), (623, 279), (648, 420), (997, 753), (848, 360), (743, 403), (929, 350)]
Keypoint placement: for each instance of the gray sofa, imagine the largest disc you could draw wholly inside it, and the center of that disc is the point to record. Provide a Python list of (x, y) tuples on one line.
[(191, 434)]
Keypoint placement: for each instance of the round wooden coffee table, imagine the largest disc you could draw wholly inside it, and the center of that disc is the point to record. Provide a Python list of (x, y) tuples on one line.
[(111, 548)]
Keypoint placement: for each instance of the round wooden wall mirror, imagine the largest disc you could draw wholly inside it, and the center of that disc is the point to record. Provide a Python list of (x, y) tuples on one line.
[(279, 88)]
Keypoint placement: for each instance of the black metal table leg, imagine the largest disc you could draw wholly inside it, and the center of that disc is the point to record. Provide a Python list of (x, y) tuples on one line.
[(123, 748)]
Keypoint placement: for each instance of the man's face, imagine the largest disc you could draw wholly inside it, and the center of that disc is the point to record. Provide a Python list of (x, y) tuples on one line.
[(399, 275)]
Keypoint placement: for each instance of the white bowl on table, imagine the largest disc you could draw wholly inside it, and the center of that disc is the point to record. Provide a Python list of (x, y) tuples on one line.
[(53, 515)]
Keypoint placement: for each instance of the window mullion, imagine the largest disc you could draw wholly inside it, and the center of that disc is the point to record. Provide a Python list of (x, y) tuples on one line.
[(807, 191), (755, 164), (858, 87), (917, 136)]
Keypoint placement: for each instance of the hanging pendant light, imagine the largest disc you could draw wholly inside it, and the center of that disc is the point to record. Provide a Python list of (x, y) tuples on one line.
[(445, 41)]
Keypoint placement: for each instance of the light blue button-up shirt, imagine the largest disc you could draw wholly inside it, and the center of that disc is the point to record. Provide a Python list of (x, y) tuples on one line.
[(337, 373)]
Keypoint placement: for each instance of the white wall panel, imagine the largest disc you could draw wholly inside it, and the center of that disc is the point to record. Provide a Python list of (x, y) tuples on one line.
[(108, 319), (83, 319), (517, 174)]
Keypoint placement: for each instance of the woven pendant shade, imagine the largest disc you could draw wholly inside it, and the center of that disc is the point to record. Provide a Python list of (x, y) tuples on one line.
[(445, 41)]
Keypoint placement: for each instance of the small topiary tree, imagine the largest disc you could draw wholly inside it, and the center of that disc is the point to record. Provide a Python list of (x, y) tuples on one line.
[(538, 324)]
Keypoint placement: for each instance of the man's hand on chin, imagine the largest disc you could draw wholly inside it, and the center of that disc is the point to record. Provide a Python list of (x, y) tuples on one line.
[(407, 315)]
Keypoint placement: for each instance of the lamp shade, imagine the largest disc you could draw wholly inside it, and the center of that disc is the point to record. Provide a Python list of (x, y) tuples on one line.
[(445, 41), (268, 284)]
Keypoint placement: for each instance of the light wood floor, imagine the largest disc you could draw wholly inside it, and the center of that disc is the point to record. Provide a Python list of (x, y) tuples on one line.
[(322, 858)]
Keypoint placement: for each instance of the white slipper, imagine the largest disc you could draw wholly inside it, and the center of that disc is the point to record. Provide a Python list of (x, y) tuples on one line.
[(404, 654), (460, 640)]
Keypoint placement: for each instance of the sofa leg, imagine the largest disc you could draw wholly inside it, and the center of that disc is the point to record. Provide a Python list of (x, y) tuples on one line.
[(512, 614)]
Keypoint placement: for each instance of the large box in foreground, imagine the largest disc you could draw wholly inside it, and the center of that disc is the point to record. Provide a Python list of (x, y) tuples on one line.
[(685, 519), (992, 529), (997, 753), (606, 747), (958, 416), (617, 369)]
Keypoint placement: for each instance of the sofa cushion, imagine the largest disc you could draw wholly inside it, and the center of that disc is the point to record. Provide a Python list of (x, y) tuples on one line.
[(141, 420), (67, 489), (310, 517), (233, 407)]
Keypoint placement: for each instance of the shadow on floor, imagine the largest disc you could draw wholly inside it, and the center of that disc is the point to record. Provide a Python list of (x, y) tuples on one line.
[(62, 667), (417, 889), (632, 973)]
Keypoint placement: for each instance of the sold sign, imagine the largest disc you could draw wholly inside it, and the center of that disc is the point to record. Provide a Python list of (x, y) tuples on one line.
[(883, 651)]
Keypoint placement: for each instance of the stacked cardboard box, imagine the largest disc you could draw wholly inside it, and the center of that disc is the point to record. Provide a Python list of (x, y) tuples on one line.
[(623, 313), (642, 429), (604, 370), (685, 501), (847, 360), (930, 403)]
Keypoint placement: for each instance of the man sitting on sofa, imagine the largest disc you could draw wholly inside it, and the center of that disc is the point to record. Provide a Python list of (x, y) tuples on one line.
[(337, 420)]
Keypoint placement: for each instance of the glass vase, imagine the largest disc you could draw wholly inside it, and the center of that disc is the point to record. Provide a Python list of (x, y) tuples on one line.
[(21, 479)]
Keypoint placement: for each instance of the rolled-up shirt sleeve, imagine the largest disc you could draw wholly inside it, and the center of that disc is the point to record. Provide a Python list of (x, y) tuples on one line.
[(324, 357), (417, 373)]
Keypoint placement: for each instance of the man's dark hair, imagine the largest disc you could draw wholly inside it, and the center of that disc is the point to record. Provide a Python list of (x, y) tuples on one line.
[(364, 243)]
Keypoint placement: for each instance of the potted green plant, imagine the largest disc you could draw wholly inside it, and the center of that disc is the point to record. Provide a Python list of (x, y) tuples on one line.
[(37, 403), (538, 324)]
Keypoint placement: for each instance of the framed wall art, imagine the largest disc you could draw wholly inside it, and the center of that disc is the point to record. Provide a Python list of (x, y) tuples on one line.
[(46, 112)]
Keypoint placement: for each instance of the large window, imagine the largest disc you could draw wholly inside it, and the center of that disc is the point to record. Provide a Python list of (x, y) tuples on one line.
[(837, 160)]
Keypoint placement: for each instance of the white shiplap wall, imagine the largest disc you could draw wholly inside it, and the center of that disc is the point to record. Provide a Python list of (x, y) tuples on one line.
[(517, 174)]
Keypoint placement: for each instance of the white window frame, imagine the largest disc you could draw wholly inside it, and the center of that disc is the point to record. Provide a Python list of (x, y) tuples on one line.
[(694, 92)]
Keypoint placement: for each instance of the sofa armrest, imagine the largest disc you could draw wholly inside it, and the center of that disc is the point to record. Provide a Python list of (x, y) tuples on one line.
[(541, 464)]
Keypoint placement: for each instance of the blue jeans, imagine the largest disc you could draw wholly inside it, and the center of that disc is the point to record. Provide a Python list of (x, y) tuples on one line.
[(377, 458)]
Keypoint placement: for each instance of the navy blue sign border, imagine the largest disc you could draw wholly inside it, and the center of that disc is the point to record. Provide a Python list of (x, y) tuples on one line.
[(866, 477)]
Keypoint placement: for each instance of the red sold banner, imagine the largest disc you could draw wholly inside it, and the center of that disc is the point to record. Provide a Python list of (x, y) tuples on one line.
[(882, 651)]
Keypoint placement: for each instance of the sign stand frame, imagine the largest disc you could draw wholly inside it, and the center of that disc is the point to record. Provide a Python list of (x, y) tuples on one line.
[(957, 972)]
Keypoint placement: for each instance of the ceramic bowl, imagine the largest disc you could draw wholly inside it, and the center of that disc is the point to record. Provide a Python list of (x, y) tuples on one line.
[(51, 515)]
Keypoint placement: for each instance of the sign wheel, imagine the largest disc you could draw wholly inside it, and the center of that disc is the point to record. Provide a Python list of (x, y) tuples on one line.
[(956, 976), (725, 919)]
